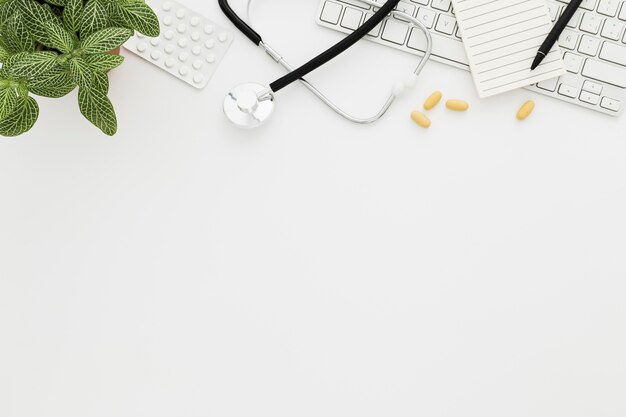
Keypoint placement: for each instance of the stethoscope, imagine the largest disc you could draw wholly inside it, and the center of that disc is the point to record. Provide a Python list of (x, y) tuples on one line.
[(250, 105)]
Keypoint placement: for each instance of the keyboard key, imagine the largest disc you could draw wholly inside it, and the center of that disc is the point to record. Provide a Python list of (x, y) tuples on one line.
[(568, 91), (443, 46), (622, 12), (610, 104), (549, 85), (351, 18), (575, 20), (612, 29), (572, 62), (589, 45), (568, 39), (426, 16), (553, 10), (590, 23), (443, 5), (608, 7), (405, 8), (331, 12), (589, 98), (605, 72), (376, 31), (445, 24), (356, 3), (588, 4), (395, 32), (613, 53), (592, 87)]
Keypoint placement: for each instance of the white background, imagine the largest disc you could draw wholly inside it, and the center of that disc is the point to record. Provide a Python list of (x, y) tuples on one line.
[(313, 267)]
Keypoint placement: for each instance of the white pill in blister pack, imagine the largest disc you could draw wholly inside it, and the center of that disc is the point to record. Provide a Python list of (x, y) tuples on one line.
[(190, 46)]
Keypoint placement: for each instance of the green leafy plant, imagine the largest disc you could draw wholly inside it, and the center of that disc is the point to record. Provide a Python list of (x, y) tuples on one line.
[(49, 48)]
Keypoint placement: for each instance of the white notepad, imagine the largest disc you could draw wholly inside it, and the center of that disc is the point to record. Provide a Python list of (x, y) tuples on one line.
[(501, 38)]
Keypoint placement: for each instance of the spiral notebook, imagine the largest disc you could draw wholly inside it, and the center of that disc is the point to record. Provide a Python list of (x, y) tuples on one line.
[(501, 38)]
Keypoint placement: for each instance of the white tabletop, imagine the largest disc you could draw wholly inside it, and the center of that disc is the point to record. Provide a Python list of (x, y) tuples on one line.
[(313, 267)]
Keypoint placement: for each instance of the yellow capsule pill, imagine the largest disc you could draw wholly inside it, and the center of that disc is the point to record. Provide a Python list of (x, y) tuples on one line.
[(433, 100), (457, 105), (525, 110), (420, 119)]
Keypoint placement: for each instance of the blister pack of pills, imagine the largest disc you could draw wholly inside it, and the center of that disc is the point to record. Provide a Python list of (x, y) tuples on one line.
[(190, 46)]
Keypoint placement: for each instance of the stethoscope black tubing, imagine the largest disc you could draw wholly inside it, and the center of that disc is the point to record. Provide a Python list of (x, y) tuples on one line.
[(336, 49), (239, 23), (322, 58)]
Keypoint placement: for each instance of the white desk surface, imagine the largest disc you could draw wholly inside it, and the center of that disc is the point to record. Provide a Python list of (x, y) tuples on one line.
[(313, 267)]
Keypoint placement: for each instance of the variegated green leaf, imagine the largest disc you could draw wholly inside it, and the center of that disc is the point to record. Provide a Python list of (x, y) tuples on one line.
[(8, 100), (33, 64), (94, 17), (115, 18), (72, 14), (103, 62), (59, 38), (55, 83), (80, 72), (56, 2), (100, 82), (36, 16), (10, 61), (4, 53), (105, 40), (15, 35), (138, 16), (21, 118), (97, 108), (7, 9)]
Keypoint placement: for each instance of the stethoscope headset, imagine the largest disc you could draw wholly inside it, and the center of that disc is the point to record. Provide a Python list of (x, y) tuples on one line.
[(250, 105)]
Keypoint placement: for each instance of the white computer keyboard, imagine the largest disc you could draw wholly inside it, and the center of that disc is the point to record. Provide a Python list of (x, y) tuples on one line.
[(593, 45)]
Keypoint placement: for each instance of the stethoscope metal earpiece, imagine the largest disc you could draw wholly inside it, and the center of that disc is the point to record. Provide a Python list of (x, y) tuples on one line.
[(249, 105)]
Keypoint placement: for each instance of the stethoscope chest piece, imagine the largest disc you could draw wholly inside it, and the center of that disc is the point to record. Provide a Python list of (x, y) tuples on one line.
[(249, 105)]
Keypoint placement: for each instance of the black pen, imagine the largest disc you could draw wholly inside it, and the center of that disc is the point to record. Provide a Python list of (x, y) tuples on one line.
[(554, 34)]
